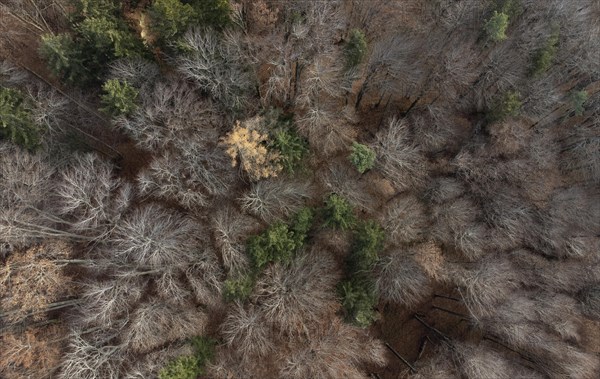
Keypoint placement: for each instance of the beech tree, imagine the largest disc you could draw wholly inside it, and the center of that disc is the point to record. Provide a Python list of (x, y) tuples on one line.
[(245, 329), (400, 160), (401, 280), (155, 323), (215, 64), (91, 196), (34, 282), (89, 358), (405, 219), (333, 352), (156, 238), (296, 299), (34, 352), (275, 199)]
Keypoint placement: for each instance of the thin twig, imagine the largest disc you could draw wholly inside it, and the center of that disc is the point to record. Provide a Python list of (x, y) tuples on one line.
[(412, 368)]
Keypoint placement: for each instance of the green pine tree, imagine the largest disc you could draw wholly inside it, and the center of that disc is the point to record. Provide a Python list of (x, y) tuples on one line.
[(16, 122)]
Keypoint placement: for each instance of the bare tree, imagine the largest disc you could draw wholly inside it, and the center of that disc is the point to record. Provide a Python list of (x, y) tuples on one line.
[(274, 199), (244, 328), (337, 350), (230, 230), (156, 323), (486, 285), (11, 75), (216, 65), (405, 220), (86, 193), (157, 123), (482, 361), (155, 237), (205, 279), (398, 158), (439, 366), (443, 189), (400, 279), (453, 217), (92, 356), (590, 301), (343, 179), (165, 179), (298, 298), (138, 72), (580, 152), (106, 302)]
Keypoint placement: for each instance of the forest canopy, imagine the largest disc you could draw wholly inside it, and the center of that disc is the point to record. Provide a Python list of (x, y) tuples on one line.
[(300, 189)]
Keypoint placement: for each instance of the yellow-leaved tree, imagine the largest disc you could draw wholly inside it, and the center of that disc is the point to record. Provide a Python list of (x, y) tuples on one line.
[(247, 144)]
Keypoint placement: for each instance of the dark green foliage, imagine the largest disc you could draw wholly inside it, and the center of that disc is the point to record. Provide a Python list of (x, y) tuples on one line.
[(362, 157), (204, 349), (170, 18), (338, 213), (368, 242), (100, 36), (16, 123), (190, 367), (590, 301), (239, 288), (107, 38), (495, 27), (508, 105), (119, 98), (284, 139), (542, 59), (355, 49), (512, 8), (291, 147), (358, 299), (213, 13), (358, 292), (96, 8), (300, 226), (578, 99), (276, 244), (184, 367), (64, 59)]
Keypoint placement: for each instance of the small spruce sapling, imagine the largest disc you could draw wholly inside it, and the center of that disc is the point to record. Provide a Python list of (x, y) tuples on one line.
[(16, 122), (508, 105), (238, 288), (190, 367), (495, 27), (170, 18), (543, 57), (368, 241), (358, 299), (578, 99), (301, 225), (338, 212), (119, 97), (362, 157), (184, 367), (276, 244), (355, 49)]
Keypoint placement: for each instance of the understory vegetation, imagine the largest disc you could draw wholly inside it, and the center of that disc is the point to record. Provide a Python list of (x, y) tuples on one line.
[(300, 189)]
